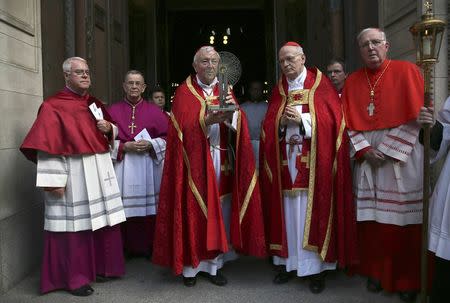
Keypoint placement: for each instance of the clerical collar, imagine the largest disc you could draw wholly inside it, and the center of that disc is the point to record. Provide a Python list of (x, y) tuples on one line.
[(298, 82), (78, 94), (207, 88), (131, 104)]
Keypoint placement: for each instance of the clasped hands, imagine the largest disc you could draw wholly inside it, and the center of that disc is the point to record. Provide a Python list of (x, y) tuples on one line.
[(290, 116), (141, 146), (213, 117)]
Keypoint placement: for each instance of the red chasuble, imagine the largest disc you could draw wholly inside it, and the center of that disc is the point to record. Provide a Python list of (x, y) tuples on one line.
[(189, 226), (398, 96), (330, 227), (65, 126)]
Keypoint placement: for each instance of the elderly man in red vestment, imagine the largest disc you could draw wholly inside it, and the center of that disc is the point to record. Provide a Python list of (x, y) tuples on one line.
[(305, 174), (209, 205), (70, 142), (381, 103), (138, 161)]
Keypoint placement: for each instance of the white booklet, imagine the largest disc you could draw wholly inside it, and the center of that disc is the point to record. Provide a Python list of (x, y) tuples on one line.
[(97, 112), (143, 135)]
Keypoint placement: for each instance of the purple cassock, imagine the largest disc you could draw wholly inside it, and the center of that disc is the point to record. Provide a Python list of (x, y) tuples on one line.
[(139, 174), (74, 259)]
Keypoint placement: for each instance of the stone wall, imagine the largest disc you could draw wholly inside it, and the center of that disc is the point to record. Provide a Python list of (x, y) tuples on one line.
[(20, 96)]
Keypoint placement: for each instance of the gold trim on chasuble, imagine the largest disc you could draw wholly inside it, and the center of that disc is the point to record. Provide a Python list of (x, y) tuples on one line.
[(275, 247), (201, 116), (277, 154), (330, 218), (192, 185), (248, 195), (267, 169), (312, 163)]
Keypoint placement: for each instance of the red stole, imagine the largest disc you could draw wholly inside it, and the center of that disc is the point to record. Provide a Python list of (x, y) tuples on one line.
[(65, 126), (330, 227), (189, 225), (398, 96)]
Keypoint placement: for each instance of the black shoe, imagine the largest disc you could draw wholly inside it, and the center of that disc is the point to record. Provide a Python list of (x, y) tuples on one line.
[(317, 283), (83, 291), (218, 279), (282, 277), (190, 281), (374, 285), (408, 296)]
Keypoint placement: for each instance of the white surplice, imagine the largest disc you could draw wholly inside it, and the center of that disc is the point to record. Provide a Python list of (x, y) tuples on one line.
[(305, 262), (391, 193), (439, 226), (92, 197), (139, 177)]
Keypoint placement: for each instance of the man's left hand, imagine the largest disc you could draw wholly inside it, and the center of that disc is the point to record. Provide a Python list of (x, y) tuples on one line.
[(426, 116), (229, 99), (104, 126)]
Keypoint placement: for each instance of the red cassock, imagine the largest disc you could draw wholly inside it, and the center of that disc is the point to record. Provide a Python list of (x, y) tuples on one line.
[(189, 224), (388, 253), (330, 227)]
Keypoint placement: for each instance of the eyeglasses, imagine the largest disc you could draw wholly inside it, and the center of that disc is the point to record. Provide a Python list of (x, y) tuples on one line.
[(374, 43), (289, 59), (81, 72), (137, 83)]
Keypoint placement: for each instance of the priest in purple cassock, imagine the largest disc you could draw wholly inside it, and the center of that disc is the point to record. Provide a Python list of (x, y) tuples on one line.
[(138, 161)]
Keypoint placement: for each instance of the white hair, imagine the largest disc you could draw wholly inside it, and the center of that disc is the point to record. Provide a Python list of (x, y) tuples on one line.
[(206, 49), (361, 33), (298, 49), (67, 64)]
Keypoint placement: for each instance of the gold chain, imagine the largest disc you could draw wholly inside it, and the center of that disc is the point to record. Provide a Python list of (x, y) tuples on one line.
[(372, 88)]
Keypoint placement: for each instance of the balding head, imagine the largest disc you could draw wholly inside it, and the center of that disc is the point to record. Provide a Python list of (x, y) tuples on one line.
[(292, 60)]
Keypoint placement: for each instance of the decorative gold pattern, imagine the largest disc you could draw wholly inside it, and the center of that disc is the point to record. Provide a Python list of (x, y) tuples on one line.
[(298, 97), (294, 192), (305, 159), (248, 195)]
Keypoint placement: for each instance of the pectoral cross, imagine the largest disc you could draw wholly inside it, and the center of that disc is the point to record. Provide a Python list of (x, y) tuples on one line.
[(371, 108), (226, 168), (109, 179), (305, 159), (132, 127)]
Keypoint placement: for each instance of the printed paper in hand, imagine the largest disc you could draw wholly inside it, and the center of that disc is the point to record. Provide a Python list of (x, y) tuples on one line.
[(97, 112), (143, 135)]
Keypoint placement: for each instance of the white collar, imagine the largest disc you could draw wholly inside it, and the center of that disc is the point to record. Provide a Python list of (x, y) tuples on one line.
[(206, 86), (298, 82)]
